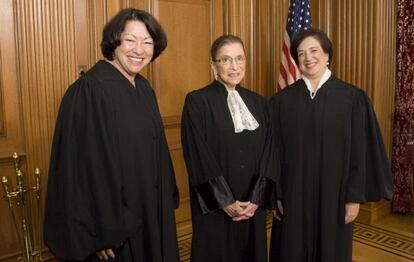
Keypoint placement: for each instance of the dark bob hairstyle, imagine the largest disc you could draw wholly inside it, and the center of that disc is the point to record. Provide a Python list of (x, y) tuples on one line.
[(224, 40), (319, 35), (111, 34)]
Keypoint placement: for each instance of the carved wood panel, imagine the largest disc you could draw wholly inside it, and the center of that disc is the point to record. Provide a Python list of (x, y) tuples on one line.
[(363, 36), (2, 130), (11, 129), (11, 125), (184, 66)]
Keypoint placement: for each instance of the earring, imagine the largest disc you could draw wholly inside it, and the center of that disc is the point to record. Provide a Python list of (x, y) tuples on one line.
[(215, 74)]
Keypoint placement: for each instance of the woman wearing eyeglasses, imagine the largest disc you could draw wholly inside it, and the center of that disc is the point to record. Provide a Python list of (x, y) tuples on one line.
[(226, 141)]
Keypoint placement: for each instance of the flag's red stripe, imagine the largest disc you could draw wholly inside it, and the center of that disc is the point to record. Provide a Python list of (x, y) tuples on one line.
[(283, 73)]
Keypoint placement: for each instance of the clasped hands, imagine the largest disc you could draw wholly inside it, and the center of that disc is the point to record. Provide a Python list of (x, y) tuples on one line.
[(239, 211), (105, 254)]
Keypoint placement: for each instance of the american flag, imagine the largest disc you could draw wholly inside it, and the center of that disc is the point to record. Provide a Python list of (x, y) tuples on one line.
[(298, 18)]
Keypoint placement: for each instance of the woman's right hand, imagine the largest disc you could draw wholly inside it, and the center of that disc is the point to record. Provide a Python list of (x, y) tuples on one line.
[(278, 211), (234, 210), (105, 254), (247, 213)]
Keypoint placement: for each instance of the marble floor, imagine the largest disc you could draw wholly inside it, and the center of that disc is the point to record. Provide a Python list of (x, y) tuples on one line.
[(390, 239)]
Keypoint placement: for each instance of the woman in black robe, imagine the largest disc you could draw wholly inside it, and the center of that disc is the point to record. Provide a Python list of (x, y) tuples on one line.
[(111, 187), (331, 154), (227, 147)]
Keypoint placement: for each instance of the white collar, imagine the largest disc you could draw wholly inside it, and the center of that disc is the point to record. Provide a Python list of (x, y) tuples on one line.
[(240, 114), (326, 75)]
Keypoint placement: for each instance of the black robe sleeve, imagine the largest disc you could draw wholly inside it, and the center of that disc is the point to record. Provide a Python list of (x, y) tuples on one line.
[(370, 176), (84, 209), (267, 188), (205, 175)]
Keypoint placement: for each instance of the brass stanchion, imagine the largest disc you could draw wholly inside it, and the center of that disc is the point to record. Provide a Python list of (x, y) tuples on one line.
[(17, 200)]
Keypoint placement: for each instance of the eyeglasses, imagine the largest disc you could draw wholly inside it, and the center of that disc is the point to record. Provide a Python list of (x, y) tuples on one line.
[(227, 60)]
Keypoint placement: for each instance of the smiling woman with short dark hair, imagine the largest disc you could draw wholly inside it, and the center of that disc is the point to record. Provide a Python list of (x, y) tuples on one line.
[(111, 191), (331, 155)]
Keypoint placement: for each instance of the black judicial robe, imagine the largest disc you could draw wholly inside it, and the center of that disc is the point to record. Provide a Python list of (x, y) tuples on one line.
[(331, 153), (225, 166), (111, 182)]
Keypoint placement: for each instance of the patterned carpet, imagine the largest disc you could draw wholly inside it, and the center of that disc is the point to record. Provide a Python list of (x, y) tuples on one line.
[(184, 246), (385, 240), (397, 244)]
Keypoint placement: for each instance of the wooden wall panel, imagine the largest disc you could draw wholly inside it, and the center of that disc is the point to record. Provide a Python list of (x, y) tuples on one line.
[(11, 129), (185, 64), (2, 129), (384, 81), (271, 19), (96, 17), (47, 63), (363, 36), (351, 62), (270, 36), (321, 14)]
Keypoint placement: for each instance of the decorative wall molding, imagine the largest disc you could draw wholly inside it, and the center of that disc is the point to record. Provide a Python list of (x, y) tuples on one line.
[(2, 120)]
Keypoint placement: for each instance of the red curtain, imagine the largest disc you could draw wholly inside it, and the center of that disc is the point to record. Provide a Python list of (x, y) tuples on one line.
[(403, 134)]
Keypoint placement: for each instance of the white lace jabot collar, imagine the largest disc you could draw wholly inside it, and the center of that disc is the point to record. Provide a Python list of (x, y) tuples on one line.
[(242, 118)]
